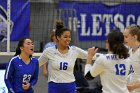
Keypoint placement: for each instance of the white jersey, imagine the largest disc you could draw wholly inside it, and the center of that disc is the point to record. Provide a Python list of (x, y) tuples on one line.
[(135, 56), (113, 73), (60, 66), (136, 67)]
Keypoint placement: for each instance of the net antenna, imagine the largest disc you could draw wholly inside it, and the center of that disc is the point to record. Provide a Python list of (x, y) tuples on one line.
[(8, 28), (8, 24)]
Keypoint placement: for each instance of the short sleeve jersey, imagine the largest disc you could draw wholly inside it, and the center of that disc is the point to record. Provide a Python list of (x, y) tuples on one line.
[(136, 65), (60, 66), (113, 72)]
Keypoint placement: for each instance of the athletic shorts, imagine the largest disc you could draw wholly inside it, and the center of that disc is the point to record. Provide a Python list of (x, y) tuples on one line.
[(61, 87)]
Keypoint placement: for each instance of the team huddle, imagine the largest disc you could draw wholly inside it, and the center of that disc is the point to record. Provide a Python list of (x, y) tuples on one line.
[(118, 68)]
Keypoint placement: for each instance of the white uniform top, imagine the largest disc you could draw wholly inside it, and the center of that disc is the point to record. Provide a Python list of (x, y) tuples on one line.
[(60, 66), (113, 73), (136, 67), (135, 56)]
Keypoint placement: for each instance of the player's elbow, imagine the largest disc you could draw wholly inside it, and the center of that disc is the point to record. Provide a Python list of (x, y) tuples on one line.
[(88, 76)]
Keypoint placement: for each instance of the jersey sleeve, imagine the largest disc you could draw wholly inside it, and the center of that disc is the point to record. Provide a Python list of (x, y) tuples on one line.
[(8, 76), (97, 67), (35, 77), (82, 54), (43, 58), (47, 45), (87, 68)]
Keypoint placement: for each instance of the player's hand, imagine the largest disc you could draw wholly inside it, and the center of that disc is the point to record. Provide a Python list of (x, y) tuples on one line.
[(91, 53), (134, 85), (26, 86), (130, 88)]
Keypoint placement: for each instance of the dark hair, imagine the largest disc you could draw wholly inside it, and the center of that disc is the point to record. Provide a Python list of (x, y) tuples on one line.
[(60, 28), (59, 24), (116, 43), (134, 30), (20, 44)]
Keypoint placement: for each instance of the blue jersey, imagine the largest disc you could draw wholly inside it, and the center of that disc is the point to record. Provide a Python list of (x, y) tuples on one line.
[(49, 44), (18, 72)]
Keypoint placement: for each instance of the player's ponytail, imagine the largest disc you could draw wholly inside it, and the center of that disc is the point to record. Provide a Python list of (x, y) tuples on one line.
[(121, 50), (20, 44), (116, 39), (59, 24), (60, 28)]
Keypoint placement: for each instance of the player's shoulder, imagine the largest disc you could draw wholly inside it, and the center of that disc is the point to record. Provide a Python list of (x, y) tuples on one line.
[(52, 48), (73, 47), (138, 50), (130, 51), (15, 58), (49, 44), (101, 56), (100, 59), (34, 59)]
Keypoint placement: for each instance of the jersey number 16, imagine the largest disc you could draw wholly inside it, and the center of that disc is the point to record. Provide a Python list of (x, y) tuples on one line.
[(63, 65)]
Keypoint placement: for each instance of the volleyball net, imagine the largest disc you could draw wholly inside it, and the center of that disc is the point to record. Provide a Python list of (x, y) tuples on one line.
[(90, 21)]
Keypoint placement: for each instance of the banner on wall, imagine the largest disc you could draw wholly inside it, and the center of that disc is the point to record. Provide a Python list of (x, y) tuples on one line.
[(95, 20), (20, 19)]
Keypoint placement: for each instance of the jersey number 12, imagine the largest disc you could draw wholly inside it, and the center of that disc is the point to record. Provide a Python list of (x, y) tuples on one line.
[(120, 69)]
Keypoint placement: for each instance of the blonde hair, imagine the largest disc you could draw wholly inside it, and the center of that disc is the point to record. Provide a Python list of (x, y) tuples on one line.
[(134, 30)]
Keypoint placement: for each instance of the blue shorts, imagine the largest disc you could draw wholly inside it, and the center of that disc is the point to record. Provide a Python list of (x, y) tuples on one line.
[(61, 87)]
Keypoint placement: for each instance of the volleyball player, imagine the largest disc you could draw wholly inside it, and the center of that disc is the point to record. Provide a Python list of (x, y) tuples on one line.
[(49, 44), (52, 42), (112, 67), (61, 59), (22, 70), (132, 39)]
